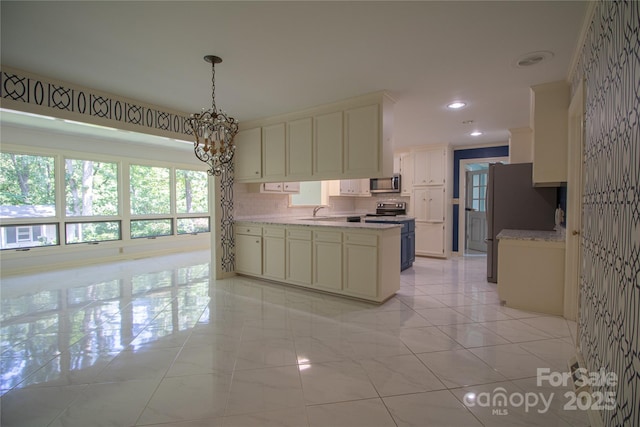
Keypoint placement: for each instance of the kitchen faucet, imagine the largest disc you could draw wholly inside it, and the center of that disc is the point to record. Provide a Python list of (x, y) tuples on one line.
[(316, 209)]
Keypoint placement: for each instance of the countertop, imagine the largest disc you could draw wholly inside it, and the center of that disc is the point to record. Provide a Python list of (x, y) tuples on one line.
[(534, 235), (338, 221)]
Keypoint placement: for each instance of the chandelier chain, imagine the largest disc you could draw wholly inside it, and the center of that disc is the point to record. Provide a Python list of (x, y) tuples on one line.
[(213, 86)]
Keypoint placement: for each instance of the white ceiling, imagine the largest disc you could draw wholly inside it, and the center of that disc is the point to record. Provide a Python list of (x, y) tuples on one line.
[(284, 56)]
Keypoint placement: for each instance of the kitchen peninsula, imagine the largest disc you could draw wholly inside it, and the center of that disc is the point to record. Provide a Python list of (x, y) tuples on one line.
[(354, 259)]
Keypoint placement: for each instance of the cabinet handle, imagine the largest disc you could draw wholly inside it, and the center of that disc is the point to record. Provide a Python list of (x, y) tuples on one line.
[(248, 230), (257, 241), (575, 232), (257, 172)]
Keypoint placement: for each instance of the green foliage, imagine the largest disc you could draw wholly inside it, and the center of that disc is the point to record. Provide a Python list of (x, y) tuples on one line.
[(192, 192), (91, 188), (26, 180), (150, 190)]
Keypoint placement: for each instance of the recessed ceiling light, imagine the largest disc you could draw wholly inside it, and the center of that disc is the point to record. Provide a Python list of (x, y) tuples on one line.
[(533, 58), (456, 105), (476, 133)]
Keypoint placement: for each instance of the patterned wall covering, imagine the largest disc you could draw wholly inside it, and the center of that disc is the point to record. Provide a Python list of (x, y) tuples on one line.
[(18, 87), (609, 314), (227, 242)]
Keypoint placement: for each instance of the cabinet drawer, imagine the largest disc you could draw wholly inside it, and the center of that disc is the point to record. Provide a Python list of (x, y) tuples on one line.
[(298, 234), (361, 239), (252, 230), (273, 232), (328, 236)]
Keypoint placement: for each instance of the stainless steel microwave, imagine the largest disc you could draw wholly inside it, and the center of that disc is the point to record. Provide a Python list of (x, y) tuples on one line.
[(385, 185)]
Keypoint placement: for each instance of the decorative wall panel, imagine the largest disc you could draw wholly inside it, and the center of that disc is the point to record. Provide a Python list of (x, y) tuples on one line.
[(227, 242), (23, 90), (609, 314)]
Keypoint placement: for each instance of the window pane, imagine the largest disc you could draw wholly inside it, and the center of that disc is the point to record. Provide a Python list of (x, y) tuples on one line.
[(149, 190), (91, 188), (476, 193), (83, 232), (151, 228), (476, 180), (192, 191), (193, 225), (28, 236), (482, 206), (27, 186)]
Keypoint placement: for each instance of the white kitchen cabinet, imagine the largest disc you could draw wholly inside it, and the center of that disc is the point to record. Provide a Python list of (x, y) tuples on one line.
[(327, 260), (360, 264), (299, 259), (430, 239), (279, 187), (549, 121), (273, 252), (428, 204), (299, 148), (429, 166), (327, 145), (362, 131), (355, 187), (531, 275), (352, 261), (405, 161), (273, 151), (248, 249), (248, 155)]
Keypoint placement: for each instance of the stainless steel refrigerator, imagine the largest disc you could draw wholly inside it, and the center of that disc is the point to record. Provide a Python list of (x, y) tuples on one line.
[(514, 203)]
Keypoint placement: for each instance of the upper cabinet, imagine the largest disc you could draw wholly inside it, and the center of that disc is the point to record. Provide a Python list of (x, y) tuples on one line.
[(346, 139), (247, 159), (549, 121), (403, 165), (273, 151), (327, 145), (299, 147), (362, 131), (429, 166)]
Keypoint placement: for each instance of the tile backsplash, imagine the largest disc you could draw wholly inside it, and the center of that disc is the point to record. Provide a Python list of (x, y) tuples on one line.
[(253, 204)]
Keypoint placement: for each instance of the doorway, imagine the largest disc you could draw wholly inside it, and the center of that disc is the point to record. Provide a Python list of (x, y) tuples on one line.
[(472, 223), (475, 208)]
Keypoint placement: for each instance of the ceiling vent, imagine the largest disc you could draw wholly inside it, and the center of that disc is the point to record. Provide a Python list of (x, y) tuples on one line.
[(533, 58)]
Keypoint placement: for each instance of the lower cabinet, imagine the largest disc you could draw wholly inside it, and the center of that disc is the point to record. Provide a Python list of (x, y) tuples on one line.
[(249, 250), (273, 253), (362, 263), (327, 260), (298, 256), (430, 239)]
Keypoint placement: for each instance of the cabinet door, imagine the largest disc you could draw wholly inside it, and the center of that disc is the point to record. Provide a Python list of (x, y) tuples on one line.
[(273, 151), (272, 187), (435, 204), (348, 187), (364, 188), (361, 270), (248, 254), (273, 257), (436, 166), (406, 174), (420, 204), (362, 140), (291, 187), (420, 175), (299, 261), (327, 265), (327, 145), (299, 148), (429, 238), (248, 163)]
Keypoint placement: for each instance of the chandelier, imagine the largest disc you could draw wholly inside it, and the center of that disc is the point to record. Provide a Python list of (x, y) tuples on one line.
[(213, 130)]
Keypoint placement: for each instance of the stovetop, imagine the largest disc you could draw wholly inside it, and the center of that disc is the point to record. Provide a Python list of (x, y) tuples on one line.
[(390, 209)]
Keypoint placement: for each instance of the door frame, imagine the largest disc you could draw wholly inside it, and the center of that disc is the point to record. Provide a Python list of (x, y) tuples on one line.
[(575, 189), (462, 195)]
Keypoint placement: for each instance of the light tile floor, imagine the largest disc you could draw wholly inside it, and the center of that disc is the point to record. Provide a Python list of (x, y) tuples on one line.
[(156, 342)]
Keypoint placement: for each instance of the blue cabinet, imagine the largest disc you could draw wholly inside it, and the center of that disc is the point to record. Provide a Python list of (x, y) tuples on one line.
[(407, 239)]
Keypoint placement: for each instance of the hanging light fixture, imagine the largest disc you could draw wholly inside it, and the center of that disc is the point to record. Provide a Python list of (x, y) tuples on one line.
[(213, 130)]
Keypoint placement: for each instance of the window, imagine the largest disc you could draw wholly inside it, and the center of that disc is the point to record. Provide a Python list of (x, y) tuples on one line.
[(91, 188), (192, 191), (150, 190), (151, 228), (28, 236), (312, 193), (27, 186), (97, 231)]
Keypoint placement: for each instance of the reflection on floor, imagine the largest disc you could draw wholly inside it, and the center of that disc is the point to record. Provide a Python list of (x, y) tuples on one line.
[(156, 342)]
